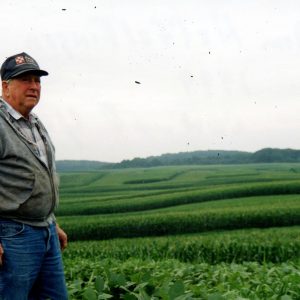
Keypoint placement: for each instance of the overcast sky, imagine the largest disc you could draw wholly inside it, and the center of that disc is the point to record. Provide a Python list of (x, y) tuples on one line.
[(135, 78)]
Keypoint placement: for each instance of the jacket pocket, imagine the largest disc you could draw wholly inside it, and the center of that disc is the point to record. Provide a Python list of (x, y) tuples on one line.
[(15, 188)]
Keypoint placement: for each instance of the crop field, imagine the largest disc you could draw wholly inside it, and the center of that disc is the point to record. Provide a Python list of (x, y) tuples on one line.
[(186, 232)]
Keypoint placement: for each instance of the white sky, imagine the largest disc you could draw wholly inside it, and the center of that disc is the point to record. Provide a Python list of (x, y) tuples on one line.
[(214, 74)]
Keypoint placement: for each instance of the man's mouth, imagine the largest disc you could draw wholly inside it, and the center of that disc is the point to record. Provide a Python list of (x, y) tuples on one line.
[(32, 96)]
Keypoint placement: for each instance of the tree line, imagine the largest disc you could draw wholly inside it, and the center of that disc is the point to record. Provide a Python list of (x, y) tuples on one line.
[(266, 155)]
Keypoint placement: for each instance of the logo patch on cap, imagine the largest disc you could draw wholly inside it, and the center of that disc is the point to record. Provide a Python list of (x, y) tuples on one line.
[(30, 60), (20, 60)]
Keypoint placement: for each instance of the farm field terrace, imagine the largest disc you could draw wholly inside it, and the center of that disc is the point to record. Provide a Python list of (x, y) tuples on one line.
[(231, 231)]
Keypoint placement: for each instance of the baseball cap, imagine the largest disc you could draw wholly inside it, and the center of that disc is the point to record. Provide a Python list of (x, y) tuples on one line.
[(18, 64)]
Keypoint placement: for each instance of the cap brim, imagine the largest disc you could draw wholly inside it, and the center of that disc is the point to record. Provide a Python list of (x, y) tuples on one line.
[(31, 71)]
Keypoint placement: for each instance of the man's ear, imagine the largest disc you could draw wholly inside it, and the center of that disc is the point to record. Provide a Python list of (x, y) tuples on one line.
[(5, 88)]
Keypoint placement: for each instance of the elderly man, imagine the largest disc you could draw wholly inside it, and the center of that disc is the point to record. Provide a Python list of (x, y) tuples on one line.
[(30, 240)]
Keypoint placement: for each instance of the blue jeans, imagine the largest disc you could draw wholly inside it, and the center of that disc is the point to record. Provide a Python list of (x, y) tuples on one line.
[(32, 264)]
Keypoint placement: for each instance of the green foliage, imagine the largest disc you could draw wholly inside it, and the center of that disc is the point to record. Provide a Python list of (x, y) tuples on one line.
[(188, 203), (168, 200), (257, 245), (216, 262), (140, 190), (269, 155), (278, 211), (170, 280), (209, 157), (266, 155)]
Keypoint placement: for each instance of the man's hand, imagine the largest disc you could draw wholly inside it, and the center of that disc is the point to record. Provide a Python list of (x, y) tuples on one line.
[(1, 254), (63, 238)]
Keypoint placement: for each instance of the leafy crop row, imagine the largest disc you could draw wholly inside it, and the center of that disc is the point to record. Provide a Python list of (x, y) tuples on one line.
[(170, 280), (260, 245), (193, 196), (155, 224)]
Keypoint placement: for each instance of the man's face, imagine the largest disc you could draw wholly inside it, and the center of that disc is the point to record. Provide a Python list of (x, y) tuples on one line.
[(22, 92)]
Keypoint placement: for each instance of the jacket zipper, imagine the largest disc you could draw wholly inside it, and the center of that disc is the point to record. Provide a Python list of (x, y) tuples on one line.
[(49, 169)]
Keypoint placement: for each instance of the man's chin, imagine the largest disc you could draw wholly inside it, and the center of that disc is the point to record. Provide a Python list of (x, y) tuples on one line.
[(32, 101)]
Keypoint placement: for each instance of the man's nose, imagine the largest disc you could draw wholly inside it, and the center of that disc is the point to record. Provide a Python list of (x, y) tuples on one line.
[(34, 84)]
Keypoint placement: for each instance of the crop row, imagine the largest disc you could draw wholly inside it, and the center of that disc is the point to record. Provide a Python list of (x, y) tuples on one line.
[(154, 224), (172, 199), (170, 279), (191, 175), (260, 245)]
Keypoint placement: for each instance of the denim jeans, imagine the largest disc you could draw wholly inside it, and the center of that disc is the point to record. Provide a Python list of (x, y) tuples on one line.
[(32, 264)]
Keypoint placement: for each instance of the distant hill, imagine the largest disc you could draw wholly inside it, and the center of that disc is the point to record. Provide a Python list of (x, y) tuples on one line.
[(79, 165), (188, 158), (267, 155)]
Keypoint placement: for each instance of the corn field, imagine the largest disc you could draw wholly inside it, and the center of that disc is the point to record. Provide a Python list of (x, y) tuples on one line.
[(195, 232)]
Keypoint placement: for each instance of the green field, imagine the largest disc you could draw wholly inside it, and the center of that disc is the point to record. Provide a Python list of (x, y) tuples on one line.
[(186, 232)]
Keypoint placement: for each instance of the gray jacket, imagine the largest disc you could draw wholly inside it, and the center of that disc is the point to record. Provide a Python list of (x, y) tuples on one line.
[(28, 188)]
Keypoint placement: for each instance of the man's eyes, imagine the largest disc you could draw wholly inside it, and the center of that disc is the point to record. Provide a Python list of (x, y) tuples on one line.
[(30, 80)]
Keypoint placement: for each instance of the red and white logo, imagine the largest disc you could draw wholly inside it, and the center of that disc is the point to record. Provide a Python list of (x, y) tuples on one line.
[(20, 60)]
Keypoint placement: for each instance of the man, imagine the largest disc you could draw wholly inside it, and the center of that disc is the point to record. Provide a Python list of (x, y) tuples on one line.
[(30, 240)]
